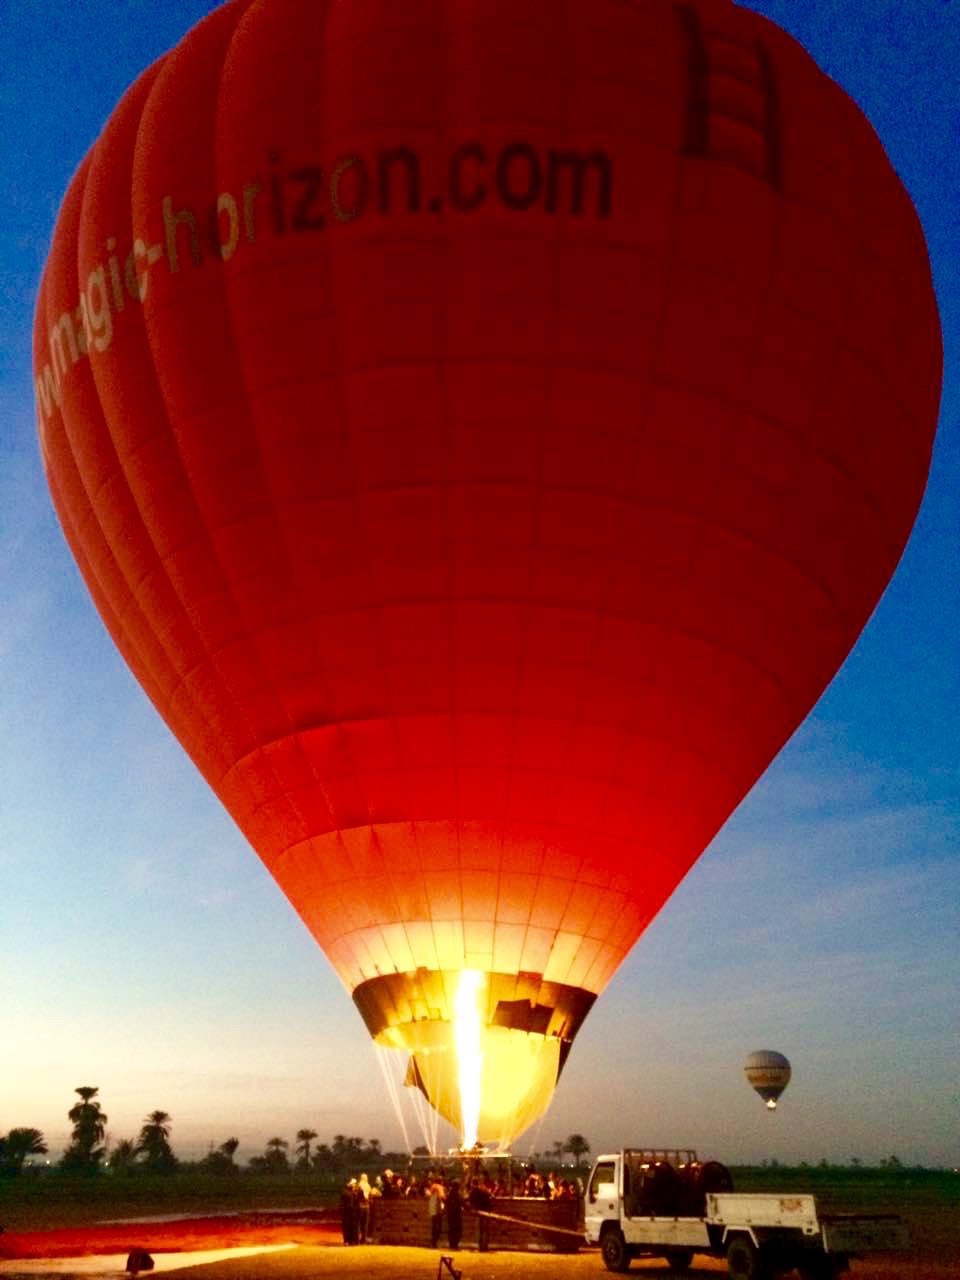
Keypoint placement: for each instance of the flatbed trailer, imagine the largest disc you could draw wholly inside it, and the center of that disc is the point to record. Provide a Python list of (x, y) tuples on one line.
[(646, 1202)]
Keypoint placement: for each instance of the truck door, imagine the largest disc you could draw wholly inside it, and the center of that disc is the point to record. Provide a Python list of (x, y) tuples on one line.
[(602, 1199)]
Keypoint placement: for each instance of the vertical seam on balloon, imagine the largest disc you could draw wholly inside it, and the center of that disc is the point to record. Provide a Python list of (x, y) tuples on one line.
[(164, 696), (587, 666), (859, 189), (694, 142), (210, 652), (752, 348), (774, 109), (252, 13), (100, 595), (154, 356), (374, 608), (246, 411), (531, 605), (446, 444), (695, 127), (389, 713), (188, 486), (121, 581), (586, 854), (772, 117), (669, 259), (698, 145), (118, 575)]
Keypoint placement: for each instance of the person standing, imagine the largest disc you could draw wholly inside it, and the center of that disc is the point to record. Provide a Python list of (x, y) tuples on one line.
[(363, 1208), (454, 1216), (348, 1212), (480, 1202), (435, 1209)]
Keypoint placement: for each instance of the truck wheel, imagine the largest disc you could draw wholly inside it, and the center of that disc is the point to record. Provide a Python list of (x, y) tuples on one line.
[(744, 1261), (679, 1261), (614, 1251)]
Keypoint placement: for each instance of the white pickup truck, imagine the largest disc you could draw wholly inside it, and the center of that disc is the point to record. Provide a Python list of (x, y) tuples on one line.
[(644, 1202)]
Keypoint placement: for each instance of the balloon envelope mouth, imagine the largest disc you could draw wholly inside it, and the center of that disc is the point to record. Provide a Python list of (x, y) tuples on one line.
[(486, 1049), (515, 1076)]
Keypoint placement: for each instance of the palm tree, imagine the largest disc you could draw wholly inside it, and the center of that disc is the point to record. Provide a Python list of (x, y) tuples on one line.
[(17, 1145), (221, 1161), (89, 1125), (304, 1138), (275, 1159), (558, 1150), (578, 1147), (154, 1145), (122, 1156)]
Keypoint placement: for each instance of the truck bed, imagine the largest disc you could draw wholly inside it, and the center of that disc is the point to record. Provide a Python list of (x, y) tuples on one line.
[(764, 1209)]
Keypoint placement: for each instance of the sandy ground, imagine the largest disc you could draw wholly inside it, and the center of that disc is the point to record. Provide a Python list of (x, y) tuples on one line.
[(109, 1266), (373, 1262), (380, 1262), (307, 1247), (173, 1235)]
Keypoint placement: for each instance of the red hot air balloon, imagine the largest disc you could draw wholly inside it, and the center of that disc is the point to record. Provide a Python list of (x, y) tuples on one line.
[(484, 430)]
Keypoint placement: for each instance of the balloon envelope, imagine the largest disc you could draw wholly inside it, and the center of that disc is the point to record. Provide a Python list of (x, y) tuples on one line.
[(484, 430)]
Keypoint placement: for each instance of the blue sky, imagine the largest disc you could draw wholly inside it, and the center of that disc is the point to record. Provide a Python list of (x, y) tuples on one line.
[(144, 949)]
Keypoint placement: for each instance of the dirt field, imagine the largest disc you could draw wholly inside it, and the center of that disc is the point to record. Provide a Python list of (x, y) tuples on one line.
[(322, 1257), (370, 1262), (930, 1206)]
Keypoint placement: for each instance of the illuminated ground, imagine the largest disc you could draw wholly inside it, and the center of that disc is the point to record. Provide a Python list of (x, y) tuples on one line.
[(374, 1262), (383, 1263), (318, 1255)]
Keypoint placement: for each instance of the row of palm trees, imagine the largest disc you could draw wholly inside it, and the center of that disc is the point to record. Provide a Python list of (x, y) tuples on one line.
[(576, 1145), (87, 1147), (343, 1153), (348, 1153), (151, 1150)]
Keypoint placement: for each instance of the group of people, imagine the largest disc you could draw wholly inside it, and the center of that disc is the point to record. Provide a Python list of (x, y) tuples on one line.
[(445, 1196)]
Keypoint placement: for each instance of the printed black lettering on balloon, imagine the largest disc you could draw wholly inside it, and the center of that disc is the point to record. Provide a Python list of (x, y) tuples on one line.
[(306, 214)]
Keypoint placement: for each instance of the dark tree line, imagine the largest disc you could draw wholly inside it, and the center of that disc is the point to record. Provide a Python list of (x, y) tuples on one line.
[(87, 1150), (151, 1151)]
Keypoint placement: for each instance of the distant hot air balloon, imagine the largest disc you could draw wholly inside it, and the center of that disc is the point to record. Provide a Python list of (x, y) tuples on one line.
[(485, 430), (769, 1074)]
